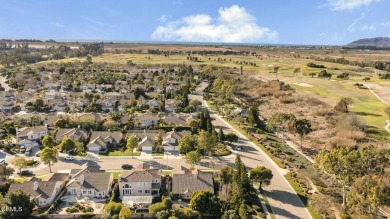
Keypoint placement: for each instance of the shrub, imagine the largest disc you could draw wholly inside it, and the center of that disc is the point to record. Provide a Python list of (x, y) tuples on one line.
[(87, 215), (338, 141), (71, 210), (257, 208), (157, 207), (287, 99), (162, 214), (174, 196)]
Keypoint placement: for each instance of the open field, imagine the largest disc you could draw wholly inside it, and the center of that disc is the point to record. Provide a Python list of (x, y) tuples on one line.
[(365, 104)]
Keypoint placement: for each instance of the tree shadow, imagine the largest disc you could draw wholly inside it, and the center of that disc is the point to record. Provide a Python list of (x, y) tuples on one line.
[(279, 212), (284, 196), (367, 114)]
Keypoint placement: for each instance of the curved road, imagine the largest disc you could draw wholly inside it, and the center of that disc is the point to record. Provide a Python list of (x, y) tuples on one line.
[(284, 201)]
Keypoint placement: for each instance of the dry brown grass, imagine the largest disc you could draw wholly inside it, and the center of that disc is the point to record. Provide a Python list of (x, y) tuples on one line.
[(338, 141)]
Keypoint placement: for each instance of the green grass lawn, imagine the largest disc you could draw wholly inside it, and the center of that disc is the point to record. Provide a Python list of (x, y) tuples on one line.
[(124, 153), (366, 104)]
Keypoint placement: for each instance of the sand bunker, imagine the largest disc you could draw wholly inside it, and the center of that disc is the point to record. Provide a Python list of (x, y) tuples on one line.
[(304, 84)]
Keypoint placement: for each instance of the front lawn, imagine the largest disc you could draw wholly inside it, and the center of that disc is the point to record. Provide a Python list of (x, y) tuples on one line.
[(123, 153)]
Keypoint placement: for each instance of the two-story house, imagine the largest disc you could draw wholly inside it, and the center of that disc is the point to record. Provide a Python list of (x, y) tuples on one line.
[(43, 193), (187, 182), (171, 140), (91, 184), (139, 186), (31, 133), (147, 120)]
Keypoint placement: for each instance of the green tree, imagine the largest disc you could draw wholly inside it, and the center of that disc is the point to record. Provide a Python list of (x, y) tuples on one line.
[(366, 79), (187, 143), (221, 135), (312, 74), (230, 214), (192, 158), (5, 172), (19, 162), (206, 202), (39, 103), (261, 175), (131, 144), (113, 208), (21, 201), (49, 156), (157, 207), (67, 145), (48, 141), (242, 211), (366, 195), (89, 59), (61, 123), (253, 116), (343, 104), (125, 213), (205, 142), (302, 127)]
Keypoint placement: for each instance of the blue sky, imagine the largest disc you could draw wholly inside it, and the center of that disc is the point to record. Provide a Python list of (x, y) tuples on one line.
[(332, 22)]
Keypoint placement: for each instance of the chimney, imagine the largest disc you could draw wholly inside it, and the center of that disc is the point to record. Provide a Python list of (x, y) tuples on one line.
[(35, 185), (144, 130), (119, 177), (82, 179)]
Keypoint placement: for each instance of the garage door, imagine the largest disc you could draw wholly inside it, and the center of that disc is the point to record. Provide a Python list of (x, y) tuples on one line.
[(94, 149), (147, 148), (169, 148)]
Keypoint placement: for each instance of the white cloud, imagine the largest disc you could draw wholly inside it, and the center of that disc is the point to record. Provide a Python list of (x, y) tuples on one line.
[(368, 28), (342, 5), (163, 18), (234, 24), (58, 24)]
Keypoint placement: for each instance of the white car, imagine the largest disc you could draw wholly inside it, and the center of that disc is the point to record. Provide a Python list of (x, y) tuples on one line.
[(69, 157), (2, 161)]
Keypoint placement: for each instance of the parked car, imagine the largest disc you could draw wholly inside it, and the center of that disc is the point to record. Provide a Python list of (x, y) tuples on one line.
[(26, 173), (22, 149), (69, 157), (127, 166), (38, 154), (2, 162)]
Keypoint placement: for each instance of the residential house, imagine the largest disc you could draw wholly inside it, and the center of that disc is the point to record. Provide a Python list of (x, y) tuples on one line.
[(31, 133), (91, 184), (72, 133), (187, 182), (27, 143), (113, 96), (154, 103), (146, 139), (171, 140), (43, 193), (100, 140), (137, 188), (170, 105), (147, 120)]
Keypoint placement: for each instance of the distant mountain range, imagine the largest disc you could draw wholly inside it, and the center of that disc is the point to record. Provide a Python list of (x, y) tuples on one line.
[(371, 42)]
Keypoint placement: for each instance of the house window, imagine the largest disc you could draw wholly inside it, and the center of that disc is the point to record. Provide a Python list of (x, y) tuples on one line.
[(89, 192), (139, 191), (147, 191)]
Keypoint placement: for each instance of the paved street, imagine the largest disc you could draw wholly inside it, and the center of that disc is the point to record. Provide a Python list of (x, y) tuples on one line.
[(284, 201)]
